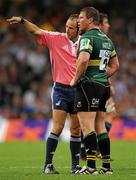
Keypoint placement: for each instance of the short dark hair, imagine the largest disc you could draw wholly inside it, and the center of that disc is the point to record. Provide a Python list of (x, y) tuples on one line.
[(102, 17), (91, 12), (74, 16)]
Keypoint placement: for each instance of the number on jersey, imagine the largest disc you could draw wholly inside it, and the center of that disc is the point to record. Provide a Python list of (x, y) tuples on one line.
[(105, 56)]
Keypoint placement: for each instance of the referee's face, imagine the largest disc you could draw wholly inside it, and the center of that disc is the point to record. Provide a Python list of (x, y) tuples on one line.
[(72, 29)]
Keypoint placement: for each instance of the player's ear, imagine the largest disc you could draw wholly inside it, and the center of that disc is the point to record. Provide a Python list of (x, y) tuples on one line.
[(91, 20)]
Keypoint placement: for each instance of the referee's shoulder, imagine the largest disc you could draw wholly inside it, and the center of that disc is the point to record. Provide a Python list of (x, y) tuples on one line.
[(53, 32)]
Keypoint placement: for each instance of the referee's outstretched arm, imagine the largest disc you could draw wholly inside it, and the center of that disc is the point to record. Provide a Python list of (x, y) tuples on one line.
[(32, 28)]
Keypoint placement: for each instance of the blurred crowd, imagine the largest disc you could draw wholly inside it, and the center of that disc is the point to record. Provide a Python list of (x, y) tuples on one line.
[(25, 73)]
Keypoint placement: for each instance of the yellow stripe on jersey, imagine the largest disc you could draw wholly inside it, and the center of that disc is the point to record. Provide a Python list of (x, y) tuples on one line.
[(94, 62), (113, 53), (90, 47)]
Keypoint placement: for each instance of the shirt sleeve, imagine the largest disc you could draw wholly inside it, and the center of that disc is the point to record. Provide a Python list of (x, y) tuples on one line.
[(47, 38), (113, 52), (86, 45)]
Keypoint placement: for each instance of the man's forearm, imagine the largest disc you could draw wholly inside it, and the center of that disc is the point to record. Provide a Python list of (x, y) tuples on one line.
[(34, 29), (111, 71), (82, 64), (112, 67), (81, 67)]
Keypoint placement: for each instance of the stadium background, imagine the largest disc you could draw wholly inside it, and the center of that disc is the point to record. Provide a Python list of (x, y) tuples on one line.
[(25, 75)]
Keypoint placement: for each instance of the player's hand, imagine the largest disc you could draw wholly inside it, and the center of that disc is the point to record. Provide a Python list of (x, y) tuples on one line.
[(14, 20), (73, 83)]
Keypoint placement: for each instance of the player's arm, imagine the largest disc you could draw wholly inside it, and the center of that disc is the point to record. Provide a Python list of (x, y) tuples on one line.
[(32, 28), (82, 63), (113, 66)]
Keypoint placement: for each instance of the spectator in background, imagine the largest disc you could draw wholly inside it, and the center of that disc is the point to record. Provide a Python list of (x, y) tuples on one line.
[(62, 48), (29, 97)]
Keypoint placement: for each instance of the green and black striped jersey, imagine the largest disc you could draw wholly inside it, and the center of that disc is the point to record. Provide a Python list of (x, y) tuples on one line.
[(101, 49)]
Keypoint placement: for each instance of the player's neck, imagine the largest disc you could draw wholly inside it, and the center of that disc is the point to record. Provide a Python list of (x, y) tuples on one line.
[(93, 27)]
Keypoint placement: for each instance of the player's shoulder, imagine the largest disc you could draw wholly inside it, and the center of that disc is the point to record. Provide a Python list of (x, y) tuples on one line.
[(88, 34), (85, 35)]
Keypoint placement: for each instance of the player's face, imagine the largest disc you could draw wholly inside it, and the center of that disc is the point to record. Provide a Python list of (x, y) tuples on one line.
[(83, 22), (71, 29), (105, 26)]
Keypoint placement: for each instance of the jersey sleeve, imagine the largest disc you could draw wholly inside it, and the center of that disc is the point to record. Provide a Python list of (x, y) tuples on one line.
[(86, 44), (113, 52), (48, 38)]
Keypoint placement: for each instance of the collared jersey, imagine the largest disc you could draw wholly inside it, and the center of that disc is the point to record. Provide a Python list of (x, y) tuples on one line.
[(101, 49), (62, 55)]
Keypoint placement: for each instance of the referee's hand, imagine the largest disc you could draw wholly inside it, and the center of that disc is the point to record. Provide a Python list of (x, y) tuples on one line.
[(14, 20), (73, 83)]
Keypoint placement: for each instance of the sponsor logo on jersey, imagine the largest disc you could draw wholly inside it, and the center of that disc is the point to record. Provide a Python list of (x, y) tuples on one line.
[(66, 48), (84, 43), (106, 45)]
